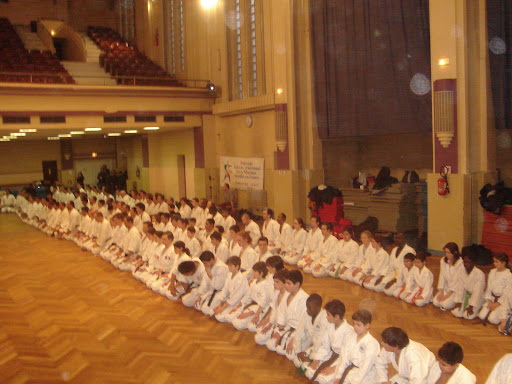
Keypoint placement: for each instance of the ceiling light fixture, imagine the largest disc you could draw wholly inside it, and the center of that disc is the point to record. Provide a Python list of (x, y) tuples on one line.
[(92, 129), (53, 138), (28, 130), (64, 135), (151, 128), (18, 134), (131, 131), (77, 133), (114, 134)]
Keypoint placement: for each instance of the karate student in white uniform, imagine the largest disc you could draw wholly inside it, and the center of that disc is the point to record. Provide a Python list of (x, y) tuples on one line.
[(256, 301), (397, 286), (252, 228), (376, 265), (167, 260), (313, 240), (413, 361), (498, 282), (347, 251), (285, 235), (205, 234), (104, 234), (73, 221), (470, 296), (247, 254), (354, 267), (8, 203), (131, 242), (297, 242), (142, 215), (396, 260), (214, 278), (270, 229), (305, 345), (262, 251), (192, 243), (449, 274), (265, 327), (448, 368), (198, 213), (337, 334), (185, 209), (502, 371), (234, 290), (190, 277), (218, 248), (169, 288), (419, 287), (359, 354), (326, 254), (227, 221), (286, 324), (234, 248)]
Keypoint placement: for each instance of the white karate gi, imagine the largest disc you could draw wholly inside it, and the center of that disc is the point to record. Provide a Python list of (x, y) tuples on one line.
[(497, 284), (212, 286), (295, 247), (448, 282), (358, 262), (401, 281), (462, 375), (232, 293), (324, 257), (284, 238), (308, 339), (194, 282), (376, 264), (193, 246), (473, 285), (502, 371), (256, 296), (291, 317), (270, 230), (249, 258), (234, 248), (363, 355), (396, 264), (419, 284), (414, 365), (347, 252), (254, 230), (334, 340), (263, 257), (228, 222), (278, 307), (313, 241)]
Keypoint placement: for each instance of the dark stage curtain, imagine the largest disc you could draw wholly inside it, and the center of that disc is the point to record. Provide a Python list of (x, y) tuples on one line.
[(371, 65), (499, 27)]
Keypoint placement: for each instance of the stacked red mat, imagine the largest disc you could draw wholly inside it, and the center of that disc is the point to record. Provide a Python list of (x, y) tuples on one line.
[(497, 231)]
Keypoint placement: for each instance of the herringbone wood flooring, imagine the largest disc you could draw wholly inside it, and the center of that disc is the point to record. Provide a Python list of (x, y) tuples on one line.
[(66, 316)]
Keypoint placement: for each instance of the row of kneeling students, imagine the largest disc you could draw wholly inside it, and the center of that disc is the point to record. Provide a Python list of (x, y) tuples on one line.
[(392, 267), (250, 288)]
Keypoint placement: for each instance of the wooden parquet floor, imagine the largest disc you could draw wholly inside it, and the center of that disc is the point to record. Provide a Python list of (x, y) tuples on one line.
[(66, 316)]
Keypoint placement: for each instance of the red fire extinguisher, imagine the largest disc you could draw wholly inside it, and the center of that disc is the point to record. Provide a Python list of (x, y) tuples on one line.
[(156, 37), (442, 183)]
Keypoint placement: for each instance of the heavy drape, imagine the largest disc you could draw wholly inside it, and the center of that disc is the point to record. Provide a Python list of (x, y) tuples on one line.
[(499, 26), (371, 66)]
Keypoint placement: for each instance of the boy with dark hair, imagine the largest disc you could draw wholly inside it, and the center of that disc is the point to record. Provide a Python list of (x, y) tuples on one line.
[(448, 368), (337, 333), (357, 365), (295, 308), (410, 359)]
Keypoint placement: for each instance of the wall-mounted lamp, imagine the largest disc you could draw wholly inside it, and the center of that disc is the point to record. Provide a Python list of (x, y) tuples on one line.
[(443, 61), (279, 91)]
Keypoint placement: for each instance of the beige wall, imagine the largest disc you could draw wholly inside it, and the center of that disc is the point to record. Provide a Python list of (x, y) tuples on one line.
[(164, 149), (21, 161), (131, 147)]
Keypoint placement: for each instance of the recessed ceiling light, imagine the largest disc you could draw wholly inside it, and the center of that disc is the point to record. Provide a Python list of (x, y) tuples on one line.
[(151, 128), (28, 130), (114, 134), (92, 129), (77, 133), (131, 131), (8, 137), (18, 134), (64, 135), (53, 138), (5, 139)]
